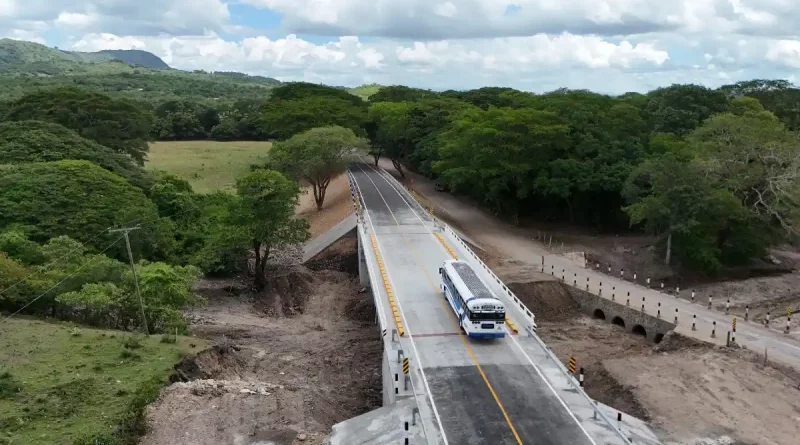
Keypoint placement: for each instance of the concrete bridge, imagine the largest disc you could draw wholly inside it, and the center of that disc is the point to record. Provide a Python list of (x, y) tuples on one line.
[(440, 387)]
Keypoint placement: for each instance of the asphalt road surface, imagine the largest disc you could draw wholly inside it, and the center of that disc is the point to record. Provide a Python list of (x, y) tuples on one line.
[(485, 392)]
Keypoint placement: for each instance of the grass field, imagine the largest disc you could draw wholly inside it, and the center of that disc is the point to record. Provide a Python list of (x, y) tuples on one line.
[(365, 91), (207, 165), (61, 385)]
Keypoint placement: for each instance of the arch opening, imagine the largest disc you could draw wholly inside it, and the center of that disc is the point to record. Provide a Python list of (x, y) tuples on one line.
[(599, 314), (658, 337), (618, 321), (639, 330)]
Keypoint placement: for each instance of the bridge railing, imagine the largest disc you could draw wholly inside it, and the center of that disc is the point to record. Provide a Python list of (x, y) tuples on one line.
[(364, 230), (526, 312)]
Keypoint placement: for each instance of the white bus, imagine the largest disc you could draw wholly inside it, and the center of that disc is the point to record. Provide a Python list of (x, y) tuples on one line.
[(480, 314)]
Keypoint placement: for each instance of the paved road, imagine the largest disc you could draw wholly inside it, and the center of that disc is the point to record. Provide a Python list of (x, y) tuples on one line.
[(484, 392), (782, 348)]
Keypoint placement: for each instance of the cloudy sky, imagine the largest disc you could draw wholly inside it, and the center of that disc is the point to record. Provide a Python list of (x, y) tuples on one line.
[(610, 46)]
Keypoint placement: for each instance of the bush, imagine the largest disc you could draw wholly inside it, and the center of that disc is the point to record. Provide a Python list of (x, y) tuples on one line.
[(132, 342), (9, 387)]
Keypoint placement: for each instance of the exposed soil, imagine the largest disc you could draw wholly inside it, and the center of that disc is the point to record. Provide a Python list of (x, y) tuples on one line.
[(342, 255), (289, 362), (336, 207), (691, 392)]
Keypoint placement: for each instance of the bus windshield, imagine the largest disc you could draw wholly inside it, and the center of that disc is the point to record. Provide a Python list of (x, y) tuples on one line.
[(487, 315)]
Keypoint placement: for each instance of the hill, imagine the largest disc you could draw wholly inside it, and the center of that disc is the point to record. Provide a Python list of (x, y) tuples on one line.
[(133, 74), (25, 56), (365, 91), (136, 57)]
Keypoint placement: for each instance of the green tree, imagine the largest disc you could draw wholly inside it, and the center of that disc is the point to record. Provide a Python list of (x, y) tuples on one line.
[(680, 109), (37, 141), (285, 118), (400, 93), (675, 200), (264, 216), (315, 156), (81, 200), (306, 90), (119, 124), (184, 120), (485, 97), (15, 243), (756, 158), (496, 155), (391, 126), (778, 96), (429, 117)]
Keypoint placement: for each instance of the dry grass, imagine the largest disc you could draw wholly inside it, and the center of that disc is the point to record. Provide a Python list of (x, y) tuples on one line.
[(207, 165)]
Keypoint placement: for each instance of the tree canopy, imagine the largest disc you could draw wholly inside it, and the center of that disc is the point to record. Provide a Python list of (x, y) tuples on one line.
[(119, 124), (80, 200), (285, 118), (37, 141), (315, 156), (264, 218)]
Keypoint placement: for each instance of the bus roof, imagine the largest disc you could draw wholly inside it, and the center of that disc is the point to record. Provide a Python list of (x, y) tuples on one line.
[(474, 284)]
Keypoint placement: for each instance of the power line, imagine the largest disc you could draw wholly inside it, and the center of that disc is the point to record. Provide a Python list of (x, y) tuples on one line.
[(125, 231), (47, 266), (59, 283)]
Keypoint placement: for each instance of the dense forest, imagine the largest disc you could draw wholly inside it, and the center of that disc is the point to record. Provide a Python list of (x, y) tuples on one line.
[(712, 173)]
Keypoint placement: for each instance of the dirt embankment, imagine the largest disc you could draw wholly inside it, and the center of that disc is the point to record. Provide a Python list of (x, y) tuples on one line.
[(289, 363), (336, 207), (692, 393)]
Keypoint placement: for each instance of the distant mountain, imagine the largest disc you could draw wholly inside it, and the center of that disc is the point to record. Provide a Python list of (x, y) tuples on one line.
[(136, 57), (134, 74), (33, 58)]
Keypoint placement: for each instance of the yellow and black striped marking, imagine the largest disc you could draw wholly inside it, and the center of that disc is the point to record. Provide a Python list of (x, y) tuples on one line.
[(572, 365), (406, 365), (389, 294)]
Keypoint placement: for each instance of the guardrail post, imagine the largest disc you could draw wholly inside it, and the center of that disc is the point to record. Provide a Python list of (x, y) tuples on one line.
[(394, 332), (400, 354), (414, 414), (406, 370)]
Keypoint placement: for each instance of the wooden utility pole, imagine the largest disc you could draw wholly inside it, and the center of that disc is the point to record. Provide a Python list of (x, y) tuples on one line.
[(125, 231)]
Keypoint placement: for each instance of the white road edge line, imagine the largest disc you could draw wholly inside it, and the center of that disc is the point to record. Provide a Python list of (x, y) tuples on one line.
[(400, 308), (538, 371)]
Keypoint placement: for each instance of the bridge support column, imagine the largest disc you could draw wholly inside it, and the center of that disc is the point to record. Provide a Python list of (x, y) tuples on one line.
[(363, 275)]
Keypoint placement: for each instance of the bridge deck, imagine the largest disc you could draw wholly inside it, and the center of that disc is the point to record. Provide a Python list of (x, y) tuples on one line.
[(482, 392)]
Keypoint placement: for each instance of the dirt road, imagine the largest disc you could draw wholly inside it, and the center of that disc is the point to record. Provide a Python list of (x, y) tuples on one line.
[(692, 393)]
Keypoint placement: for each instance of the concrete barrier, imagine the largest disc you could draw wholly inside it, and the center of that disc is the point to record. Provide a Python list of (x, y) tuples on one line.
[(632, 319)]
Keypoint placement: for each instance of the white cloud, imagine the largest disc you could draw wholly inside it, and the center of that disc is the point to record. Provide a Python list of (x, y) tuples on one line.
[(447, 9), (606, 45), (422, 19), (75, 20), (372, 58), (786, 52), (8, 8), (348, 60), (132, 17)]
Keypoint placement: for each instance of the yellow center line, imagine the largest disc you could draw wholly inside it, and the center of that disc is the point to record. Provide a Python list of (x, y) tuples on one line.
[(452, 319)]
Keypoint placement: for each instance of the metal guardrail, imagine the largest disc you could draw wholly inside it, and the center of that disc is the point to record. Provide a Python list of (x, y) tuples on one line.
[(526, 312), (364, 227)]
